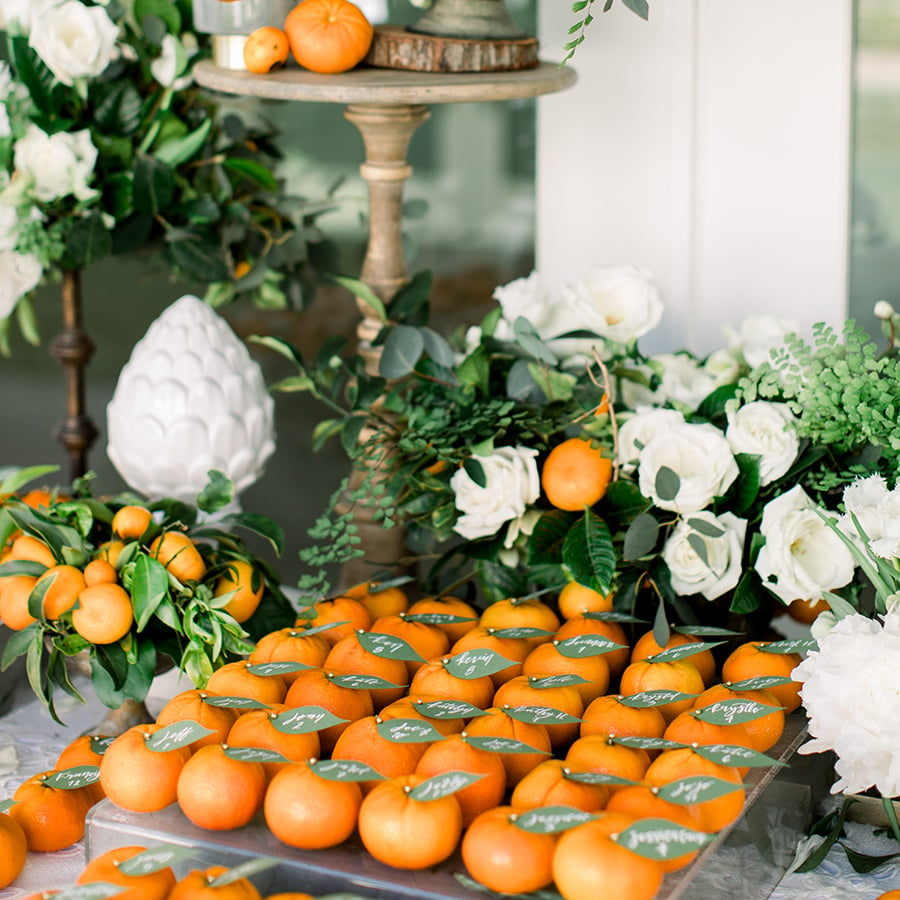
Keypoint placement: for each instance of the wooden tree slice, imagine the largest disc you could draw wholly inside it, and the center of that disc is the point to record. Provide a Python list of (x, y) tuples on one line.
[(393, 47)]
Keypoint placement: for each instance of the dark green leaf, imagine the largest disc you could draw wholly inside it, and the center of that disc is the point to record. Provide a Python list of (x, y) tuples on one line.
[(32, 72), (175, 152), (863, 862), (747, 484), (118, 109), (154, 186), (19, 643), (149, 587), (747, 594), (201, 259), (253, 170), (641, 537), (410, 304), (218, 492), (589, 554), (475, 471), (545, 544), (402, 350)]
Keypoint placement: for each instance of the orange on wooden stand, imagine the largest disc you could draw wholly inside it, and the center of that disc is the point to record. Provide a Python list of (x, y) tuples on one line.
[(328, 36)]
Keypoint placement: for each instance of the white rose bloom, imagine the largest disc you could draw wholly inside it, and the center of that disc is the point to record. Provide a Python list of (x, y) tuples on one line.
[(851, 700), (802, 557), (170, 63), (638, 396), (19, 274), (525, 297), (767, 430), (758, 336), (701, 458), (721, 569), (724, 366), (684, 380), (16, 16), (77, 41), (56, 165), (516, 540), (638, 430), (512, 484)]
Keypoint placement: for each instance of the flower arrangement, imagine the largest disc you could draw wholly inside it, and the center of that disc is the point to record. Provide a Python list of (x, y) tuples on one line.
[(107, 146), (720, 466), (166, 579)]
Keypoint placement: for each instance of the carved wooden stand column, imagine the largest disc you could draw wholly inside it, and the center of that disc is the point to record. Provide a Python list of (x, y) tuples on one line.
[(386, 132), (73, 348)]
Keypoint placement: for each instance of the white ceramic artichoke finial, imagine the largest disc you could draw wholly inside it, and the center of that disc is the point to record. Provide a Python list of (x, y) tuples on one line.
[(189, 399)]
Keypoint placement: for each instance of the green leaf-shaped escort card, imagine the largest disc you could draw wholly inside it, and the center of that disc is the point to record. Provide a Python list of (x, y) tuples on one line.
[(236, 702), (443, 785), (408, 731), (178, 734), (363, 682), (598, 778), (255, 754), (759, 683), (655, 698), (796, 645), (388, 645), (244, 870), (344, 770), (682, 651), (7, 804), (303, 719), (581, 645), (735, 755), (477, 662), (613, 616), (280, 667), (521, 633), (645, 743), (100, 743), (733, 712), (697, 789), (501, 745), (318, 629), (154, 859), (540, 715), (96, 890), (552, 819), (545, 682), (447, 709), (432, 618), (75, 777), (661, 839), (705, 631)]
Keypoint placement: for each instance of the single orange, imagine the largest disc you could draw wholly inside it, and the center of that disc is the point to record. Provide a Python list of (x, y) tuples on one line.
[(237, 679), (290, 645), (131, 522), (549, 784), (677, 675), (497, 722), (546, 659), (349, 656), (67, 584), (13, 850), (436, 679), (98, 571), (105, 867), (763, 732), (408, 707), (575, 600), (255, 728), (750, 660), (427, 640), (525, 690), (512, 648), (380, 600), (447, 607), (328, 36), (362, 741), (807, 611), (596, 753), (109, 551), (103, 613), (200, 884), (180, 555), (575, 474), (617, 660), (521, 613), (52, 818), (34, 549), (344, 613), (245, 583), (705, 662), (191, 705), (14, 593), (608, 715), (265, 50)]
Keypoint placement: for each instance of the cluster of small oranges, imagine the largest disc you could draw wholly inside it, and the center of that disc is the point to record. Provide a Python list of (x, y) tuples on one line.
[(508, 698), (324, 36)]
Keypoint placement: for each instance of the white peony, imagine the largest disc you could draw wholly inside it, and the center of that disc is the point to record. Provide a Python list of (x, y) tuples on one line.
[(802, 557), (852, 700), (684, 380), (717, 568), (767, 430), (76, 41), (877, 510), (512, 483), (56, 165), (698, 455), (19, 274), (638, 430), (758, 336)]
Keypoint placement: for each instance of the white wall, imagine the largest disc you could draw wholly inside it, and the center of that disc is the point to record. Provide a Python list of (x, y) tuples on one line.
[(709, 145)]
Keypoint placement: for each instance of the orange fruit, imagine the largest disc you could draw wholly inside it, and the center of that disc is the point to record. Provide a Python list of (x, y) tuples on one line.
[(304, 810), (521, 691), (198, 884), (317, 687), (14, 592), (105, 867), (549, 784), (704, 660), (255, 728), (235, 679), (52, 818), (575, 600), (505, 858), (609, 715), (380, 601), (103, 614), (179, 554), (515, 613), (31, 548), (406, 833), (219, 793), (130, 522), (447, 606), (545, 659), (678, 675), (328, 36), (688, 728), (98, 571), (408, 708), (82, 752), (13, 850), (763, 732), (362, 741), (43, 498), (350, 657), (499, 723), (190, 704), (807, 611), (596, 753), (617, 660), (265, 50), (290, 645), (137, 778), (427, 640), (482, 638), (587, 856), (247, 586), (68, 582), (109, 551), (456, 754), (346, 614), (575, 474), (435, 679), (750, 660)]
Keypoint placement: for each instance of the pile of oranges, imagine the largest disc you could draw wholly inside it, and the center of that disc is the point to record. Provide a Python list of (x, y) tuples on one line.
[(530, 739)]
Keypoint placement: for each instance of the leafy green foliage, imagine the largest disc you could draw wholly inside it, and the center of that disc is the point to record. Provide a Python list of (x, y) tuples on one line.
[(583, 9)]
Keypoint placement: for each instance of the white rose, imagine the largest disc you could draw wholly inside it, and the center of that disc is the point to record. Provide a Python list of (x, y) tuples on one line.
[(767, 430), (525, 297), (56, 165), (638, 430), (701, 458), (884, 310), (717, 569), (516, 541), (684, 380), (19, 274), (171, 63), (802, 557), (512, 483), (635, 393), (758, 336), (77, 41), (724, 366), (16, 16)]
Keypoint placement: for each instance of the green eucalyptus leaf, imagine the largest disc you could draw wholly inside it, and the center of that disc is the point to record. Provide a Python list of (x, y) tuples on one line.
[(361, 290), (667, 484), (344, 770), (388, 645), (402, 350), (530, 341), (640, 537), (661, 839)]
